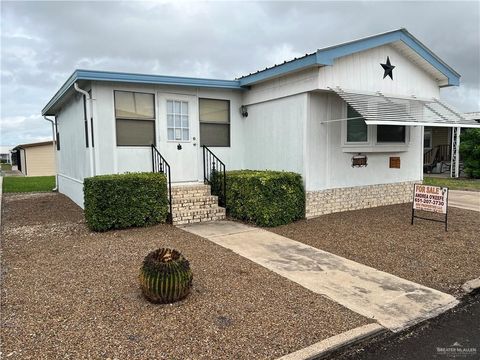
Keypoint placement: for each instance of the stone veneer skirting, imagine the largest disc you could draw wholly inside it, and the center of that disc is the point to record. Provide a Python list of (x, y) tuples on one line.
[(357, 197)]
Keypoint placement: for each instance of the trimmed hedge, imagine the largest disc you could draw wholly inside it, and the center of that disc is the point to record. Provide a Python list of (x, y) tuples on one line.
[(265, 198), (125, 200)]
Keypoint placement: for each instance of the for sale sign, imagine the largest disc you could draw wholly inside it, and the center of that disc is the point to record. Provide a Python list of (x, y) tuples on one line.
[(430, 198)]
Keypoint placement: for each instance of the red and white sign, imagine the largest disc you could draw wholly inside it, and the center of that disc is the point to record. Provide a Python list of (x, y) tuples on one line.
[(430, 198)]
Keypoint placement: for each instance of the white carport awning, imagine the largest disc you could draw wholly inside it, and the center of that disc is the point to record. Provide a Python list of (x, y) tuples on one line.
[(378, 109)]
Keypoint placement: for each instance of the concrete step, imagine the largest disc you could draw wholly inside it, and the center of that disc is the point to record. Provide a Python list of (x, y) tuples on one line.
[(194, 203), (187, 207), (191, 193), (189, 188), (178, 201), (198, 212), (198, 215)]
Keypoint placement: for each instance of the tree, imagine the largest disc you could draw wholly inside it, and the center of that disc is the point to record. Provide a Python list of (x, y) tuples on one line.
[(470, 152)]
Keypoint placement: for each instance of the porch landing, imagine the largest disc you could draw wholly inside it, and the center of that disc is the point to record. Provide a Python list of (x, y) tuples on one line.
[(393, 302)]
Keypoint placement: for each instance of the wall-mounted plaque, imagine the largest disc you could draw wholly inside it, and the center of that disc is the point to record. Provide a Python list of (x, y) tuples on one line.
[(359, 160), (394, 162)]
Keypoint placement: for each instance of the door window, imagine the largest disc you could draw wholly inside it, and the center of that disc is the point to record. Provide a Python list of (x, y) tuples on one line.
[(178, 122), (427, 139)]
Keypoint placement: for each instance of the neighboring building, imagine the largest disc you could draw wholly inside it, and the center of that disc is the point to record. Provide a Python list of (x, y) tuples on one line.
[(340, 117), (475, 115), (36, 159), (5, 156)]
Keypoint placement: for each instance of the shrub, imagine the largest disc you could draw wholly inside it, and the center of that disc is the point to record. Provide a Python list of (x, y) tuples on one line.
[(265, 198), (165, 276), (217, 186), (470, 151), (125, 200)]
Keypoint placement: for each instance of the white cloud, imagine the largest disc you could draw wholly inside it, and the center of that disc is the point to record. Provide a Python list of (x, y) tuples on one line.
[(43, 42), (280, 53), (16, 130), (463, 98)]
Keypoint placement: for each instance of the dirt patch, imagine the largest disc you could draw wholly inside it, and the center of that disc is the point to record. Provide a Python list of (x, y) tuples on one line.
[(70, 293), (39, 208), (383, 238)]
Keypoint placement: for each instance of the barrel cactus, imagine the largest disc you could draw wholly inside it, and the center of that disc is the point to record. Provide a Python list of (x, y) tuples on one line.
[(165, 276)]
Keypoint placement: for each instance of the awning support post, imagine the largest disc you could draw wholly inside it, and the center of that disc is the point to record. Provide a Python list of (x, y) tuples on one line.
[(455, 158)]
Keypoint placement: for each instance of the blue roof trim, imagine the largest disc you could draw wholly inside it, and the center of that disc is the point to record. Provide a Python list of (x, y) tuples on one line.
[(139, 79), (321, 57), (327, 56), (298, 64), (58, 95), (156, 79), (434, 60)]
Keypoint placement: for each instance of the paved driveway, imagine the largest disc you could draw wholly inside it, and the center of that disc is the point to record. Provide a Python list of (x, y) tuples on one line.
[(393, 302), (469, 200)]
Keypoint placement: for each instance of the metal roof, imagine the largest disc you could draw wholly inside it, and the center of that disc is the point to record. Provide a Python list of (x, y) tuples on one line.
[(42, 143), (379, 109), (322, 57), (326, 56), (111, 76)]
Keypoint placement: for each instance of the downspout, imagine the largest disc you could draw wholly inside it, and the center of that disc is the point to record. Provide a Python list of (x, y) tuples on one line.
[(54, 152), (89, 126)]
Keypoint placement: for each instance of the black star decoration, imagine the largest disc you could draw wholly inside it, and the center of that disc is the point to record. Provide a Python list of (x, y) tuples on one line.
[(388, 69)]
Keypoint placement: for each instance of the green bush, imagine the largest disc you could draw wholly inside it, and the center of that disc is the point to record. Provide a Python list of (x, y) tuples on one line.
[(125, 200), (265, 198), (470, 151)]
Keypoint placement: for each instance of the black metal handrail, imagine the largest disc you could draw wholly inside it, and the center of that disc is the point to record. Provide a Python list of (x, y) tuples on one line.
[(160, 165), (214, 174)]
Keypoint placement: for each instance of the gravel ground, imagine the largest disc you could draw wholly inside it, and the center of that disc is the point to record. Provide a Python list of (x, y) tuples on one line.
[(69, 293), (383, 238)]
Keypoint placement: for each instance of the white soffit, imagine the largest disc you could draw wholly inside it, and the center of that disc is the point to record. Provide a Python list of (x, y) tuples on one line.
[(378, 109), (414, 57)]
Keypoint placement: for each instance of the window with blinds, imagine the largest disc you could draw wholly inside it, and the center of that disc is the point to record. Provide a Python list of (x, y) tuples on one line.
[(135, 118), (214, 122)]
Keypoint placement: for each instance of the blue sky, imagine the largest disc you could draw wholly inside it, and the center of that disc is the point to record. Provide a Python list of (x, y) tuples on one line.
[(43, 42)]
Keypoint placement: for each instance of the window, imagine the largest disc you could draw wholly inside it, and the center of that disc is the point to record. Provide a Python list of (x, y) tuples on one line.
[(85, 121), (214, 122), (357, 130), (178, 124), (91, 120), (427, 139), (390, 134), (57, 133), (135, 118)]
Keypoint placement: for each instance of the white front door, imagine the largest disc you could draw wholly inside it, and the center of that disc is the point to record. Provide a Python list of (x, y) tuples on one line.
[(177, 135)]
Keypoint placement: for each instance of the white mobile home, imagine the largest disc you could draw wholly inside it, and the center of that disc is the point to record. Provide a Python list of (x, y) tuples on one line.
[(348, 118)]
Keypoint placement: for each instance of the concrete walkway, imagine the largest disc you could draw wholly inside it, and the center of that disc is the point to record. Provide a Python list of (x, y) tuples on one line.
[(469, 200), (393, 302)]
